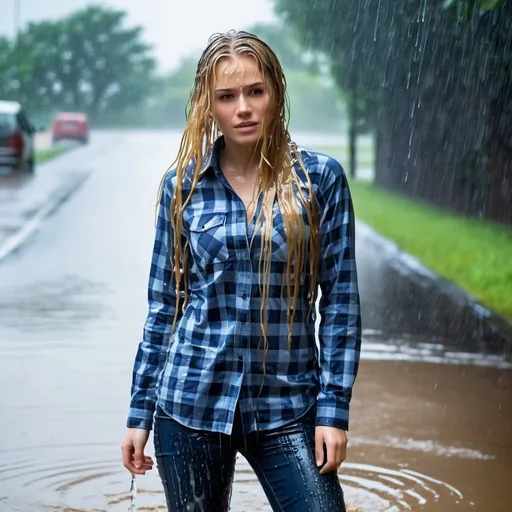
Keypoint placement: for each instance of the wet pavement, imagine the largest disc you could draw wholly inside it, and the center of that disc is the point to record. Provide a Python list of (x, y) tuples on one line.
[(432, 410), (26, 200)]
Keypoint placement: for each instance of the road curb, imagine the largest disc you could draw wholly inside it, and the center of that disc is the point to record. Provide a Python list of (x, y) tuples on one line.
[(409, 265), (56, 198)]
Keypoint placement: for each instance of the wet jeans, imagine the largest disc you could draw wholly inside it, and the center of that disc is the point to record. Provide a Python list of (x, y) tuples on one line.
[(197, 467)]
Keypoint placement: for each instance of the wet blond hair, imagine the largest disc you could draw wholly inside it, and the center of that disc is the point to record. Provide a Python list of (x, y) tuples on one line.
[(278, 178)]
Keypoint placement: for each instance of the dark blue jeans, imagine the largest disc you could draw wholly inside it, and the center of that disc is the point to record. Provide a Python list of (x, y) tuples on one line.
[(197, 467)]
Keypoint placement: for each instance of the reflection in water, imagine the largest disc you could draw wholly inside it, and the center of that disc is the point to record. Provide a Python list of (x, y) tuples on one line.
[(422, 446), (10, 181), (381, 347)]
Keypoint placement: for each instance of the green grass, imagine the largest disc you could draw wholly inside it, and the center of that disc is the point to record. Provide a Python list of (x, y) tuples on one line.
[(47, 154), (475, 255)]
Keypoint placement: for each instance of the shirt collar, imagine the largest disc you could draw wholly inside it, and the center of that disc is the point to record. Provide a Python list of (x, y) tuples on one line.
[(212, 157)]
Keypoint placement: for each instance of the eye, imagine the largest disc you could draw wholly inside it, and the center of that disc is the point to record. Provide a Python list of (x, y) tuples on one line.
[(257, 91), (226, 97)]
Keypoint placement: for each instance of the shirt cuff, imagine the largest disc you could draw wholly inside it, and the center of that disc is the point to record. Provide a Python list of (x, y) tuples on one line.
[(140, 418), (332, 412)]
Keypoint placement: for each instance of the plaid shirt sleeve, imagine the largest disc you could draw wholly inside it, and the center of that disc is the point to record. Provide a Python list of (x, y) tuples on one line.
[(152, 350), (339, 308)]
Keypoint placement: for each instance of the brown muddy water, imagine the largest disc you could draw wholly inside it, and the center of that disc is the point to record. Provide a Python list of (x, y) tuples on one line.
[(429, 437)]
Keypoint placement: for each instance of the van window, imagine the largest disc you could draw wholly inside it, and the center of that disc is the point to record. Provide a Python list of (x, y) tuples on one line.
[(24, 123), (7, 124)]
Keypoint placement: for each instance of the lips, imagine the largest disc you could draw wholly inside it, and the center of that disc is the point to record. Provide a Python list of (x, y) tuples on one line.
[(245, 125)]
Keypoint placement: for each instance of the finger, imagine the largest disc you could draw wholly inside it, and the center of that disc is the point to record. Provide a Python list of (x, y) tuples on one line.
[(127, 451), (331, 459), (343, 448), (339, 457), (319, 448), (148, 463), (128, 461), (343, 452), (136, 471), (138, 456)]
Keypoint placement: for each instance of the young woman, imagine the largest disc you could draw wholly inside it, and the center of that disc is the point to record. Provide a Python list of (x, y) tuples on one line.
[(249, 226)]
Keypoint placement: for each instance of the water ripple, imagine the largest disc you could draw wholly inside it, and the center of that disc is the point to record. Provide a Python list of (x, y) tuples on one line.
[(96, 484)]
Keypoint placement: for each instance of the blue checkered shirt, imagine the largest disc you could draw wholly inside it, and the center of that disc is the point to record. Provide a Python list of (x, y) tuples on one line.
[(216, 358)]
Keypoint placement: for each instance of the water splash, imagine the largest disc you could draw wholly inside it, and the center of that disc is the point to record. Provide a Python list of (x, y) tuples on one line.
[(133, 496)]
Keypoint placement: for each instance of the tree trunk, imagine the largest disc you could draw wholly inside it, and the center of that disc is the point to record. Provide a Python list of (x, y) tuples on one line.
[(352, 144)]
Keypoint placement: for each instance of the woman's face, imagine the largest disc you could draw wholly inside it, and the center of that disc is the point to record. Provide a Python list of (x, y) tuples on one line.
[(241, 99)]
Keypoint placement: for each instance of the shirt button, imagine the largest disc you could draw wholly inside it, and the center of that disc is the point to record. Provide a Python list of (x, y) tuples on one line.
[(244, 296)]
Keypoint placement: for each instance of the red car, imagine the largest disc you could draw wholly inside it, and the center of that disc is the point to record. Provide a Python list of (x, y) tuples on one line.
[(70, 125)]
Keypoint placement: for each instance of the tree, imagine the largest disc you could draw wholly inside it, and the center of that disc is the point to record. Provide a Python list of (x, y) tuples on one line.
[(38, 57), (315, 103), (88, 61), (282, 41), (169, 108), (466, 8), (427, 80), (7, 68), (105, 65)]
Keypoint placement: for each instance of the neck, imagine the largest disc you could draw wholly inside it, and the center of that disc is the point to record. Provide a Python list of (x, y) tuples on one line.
[(238, 159)]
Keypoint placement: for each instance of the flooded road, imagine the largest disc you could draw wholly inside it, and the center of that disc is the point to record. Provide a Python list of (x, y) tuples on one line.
[(432, 411)]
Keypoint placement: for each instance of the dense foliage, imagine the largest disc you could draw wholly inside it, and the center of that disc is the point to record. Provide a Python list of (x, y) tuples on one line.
[(433, 81)]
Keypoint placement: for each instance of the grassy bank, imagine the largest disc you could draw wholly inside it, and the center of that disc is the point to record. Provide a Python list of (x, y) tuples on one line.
[(475, 255), (47, 154)]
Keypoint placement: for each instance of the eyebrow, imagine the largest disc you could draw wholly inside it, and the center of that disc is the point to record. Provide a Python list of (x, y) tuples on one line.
[(245, 87)]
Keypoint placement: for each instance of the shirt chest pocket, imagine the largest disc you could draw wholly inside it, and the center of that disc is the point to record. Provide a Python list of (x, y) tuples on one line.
[(207, 235)]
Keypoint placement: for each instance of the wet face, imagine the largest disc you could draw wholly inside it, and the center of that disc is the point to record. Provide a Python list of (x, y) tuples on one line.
[(241, 99)]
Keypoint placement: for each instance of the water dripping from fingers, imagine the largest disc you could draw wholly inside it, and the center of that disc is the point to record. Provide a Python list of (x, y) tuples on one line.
[(133, 496)]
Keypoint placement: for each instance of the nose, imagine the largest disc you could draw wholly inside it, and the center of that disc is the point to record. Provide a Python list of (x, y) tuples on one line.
[(243, 106)]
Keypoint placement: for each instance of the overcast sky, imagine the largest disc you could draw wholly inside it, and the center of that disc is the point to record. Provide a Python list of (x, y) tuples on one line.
[(176, 28)]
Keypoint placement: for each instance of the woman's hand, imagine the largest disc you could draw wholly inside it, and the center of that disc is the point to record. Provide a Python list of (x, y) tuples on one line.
[(335, 441), (132, 447)]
